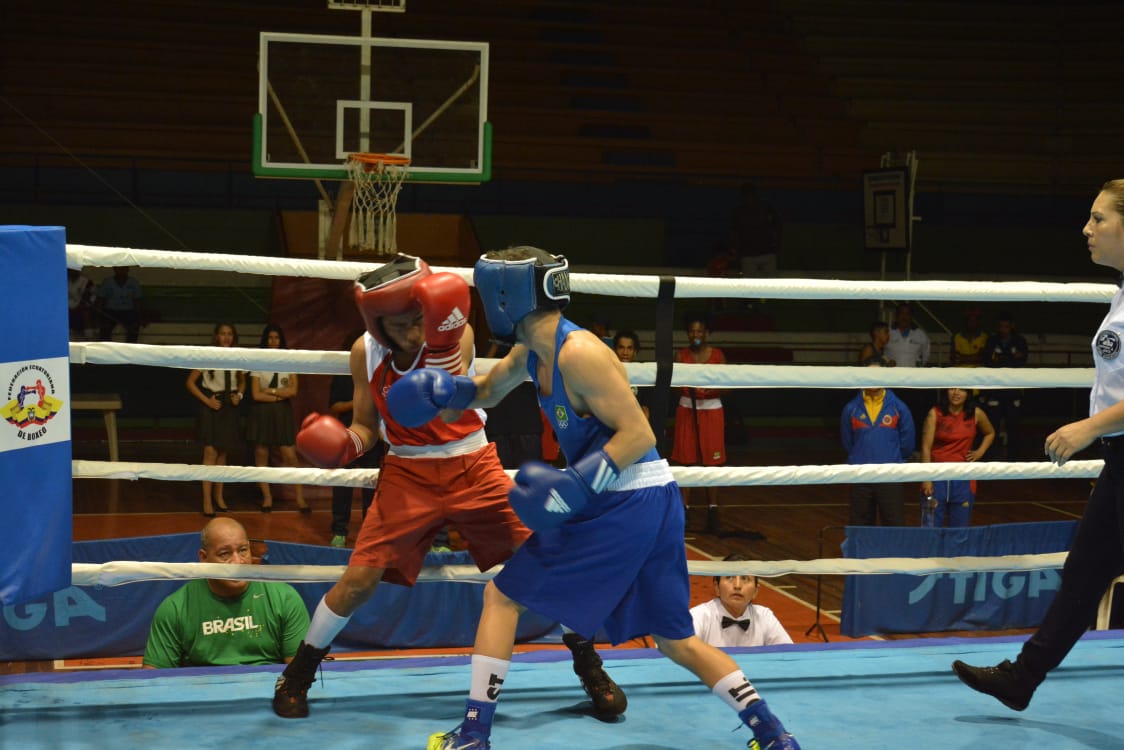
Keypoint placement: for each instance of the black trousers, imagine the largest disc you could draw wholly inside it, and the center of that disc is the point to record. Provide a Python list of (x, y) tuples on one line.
[(869, 502), (342, 496), (1097, 557)]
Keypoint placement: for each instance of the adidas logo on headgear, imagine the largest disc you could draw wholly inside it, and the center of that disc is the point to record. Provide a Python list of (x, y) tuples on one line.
[(455, 320)]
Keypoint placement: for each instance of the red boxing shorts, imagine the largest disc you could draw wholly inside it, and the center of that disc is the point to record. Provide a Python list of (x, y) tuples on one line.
[(416, 497), (711, 437)]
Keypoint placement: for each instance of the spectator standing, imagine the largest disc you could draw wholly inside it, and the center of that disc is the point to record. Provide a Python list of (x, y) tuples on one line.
[(626, 344), (1005, 348), (271, 423), (876, 428), (80, 296), (875, 350), (219, 393), (218, 622), (700, 422), (968, 344), (119, 302), (732, 620), (909, 346), (949, 436)]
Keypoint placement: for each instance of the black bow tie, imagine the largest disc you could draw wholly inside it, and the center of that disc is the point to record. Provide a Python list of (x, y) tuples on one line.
[(728, 621)]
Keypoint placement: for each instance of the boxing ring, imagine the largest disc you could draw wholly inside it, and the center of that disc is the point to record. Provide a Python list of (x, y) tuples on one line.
[(878, 696), (875, 695)]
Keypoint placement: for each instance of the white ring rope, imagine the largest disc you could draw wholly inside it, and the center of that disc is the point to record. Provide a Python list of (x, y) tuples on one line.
[(686, 476), (624, 285), (194, 472), (121, 572), (301, 361), (637, 286), (727, 376), (314, 362)]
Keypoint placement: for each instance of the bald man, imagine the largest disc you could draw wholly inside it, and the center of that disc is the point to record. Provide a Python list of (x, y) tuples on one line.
[(214, 622)]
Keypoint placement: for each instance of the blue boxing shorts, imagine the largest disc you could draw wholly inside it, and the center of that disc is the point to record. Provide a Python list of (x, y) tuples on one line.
[(620, 564)]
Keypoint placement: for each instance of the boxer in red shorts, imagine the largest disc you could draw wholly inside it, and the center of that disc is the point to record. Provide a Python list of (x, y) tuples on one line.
[(432, 475), (700, 421)]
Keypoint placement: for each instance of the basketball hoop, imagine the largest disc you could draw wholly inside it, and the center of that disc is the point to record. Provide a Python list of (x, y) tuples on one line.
[(377, 179)]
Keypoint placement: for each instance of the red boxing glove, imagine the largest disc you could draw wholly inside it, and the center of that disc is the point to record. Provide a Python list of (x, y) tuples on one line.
[(445, 303), (326, 443)]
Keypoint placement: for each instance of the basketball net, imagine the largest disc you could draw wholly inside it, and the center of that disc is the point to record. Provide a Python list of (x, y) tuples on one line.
[(374, 220)]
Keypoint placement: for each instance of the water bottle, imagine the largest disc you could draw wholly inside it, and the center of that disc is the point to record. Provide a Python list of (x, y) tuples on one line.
[(928, 510)]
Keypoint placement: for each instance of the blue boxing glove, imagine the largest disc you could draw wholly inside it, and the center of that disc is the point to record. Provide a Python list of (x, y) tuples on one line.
[(545, 497), (420, 394)]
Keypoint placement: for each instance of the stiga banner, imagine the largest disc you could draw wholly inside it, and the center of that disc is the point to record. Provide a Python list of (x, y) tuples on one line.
[(35, 456), (968, 600)]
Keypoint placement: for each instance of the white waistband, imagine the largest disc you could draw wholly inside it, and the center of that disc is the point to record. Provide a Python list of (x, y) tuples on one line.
[(701, 403), (468, 444), (638, 476)]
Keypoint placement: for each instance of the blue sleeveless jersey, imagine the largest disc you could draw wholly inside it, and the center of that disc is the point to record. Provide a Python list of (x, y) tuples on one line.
[(620, 564), (577, 435)]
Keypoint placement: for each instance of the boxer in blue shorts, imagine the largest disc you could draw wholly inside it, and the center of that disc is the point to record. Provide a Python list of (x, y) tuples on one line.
[(607, 548)]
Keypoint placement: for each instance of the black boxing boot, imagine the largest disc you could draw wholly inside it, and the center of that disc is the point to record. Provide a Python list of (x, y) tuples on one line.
[(608, 699), (290, 693)]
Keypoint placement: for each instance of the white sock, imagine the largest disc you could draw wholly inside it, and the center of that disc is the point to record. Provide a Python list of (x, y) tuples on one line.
[(325, 626), (736, 691), (488, 674)]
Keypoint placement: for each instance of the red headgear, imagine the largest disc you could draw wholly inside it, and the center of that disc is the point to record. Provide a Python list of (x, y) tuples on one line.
[(386, 291)]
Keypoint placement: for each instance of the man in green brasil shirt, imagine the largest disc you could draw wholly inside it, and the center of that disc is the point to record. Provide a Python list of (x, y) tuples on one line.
[(213, 622)]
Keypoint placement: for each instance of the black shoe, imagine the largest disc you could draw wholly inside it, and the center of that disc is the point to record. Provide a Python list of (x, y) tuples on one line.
[(608, 699), (1006, 682), (290, 694)]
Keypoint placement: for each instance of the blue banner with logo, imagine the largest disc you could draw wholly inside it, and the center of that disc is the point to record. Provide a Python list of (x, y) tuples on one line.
[(88, 621), (970, 600), (35, 456), (95, 620)]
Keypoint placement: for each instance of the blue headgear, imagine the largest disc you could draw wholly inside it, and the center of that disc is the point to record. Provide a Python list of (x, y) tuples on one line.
[(513, 289)]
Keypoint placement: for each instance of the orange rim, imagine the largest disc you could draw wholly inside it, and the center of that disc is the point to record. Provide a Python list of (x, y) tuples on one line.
[(375, 159)]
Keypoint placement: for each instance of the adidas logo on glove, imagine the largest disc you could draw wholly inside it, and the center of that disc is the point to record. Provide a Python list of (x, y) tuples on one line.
[(555, 504), (455, 320)]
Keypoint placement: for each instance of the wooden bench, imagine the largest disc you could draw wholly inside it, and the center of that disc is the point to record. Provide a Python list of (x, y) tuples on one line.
[(108, 404)]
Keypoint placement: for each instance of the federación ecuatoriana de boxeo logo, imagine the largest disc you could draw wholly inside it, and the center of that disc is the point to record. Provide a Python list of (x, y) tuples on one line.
[(31, 402)]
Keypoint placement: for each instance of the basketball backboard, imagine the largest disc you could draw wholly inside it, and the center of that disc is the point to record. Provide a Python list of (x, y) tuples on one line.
[(322, 97)]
